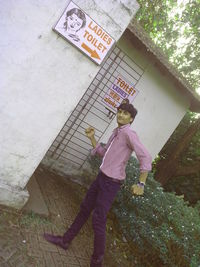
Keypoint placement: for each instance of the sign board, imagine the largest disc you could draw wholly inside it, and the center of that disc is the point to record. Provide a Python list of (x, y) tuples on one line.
[(83, 32), (118, 91)]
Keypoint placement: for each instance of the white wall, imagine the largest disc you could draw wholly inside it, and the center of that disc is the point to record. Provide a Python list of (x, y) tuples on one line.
[(160, 106), (42, 78)]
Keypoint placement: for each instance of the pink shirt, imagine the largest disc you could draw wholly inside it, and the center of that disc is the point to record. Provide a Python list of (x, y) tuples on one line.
[(118, 150)]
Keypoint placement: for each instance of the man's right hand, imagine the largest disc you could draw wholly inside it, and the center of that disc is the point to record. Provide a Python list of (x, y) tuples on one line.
[(137, 190), (90, 132)]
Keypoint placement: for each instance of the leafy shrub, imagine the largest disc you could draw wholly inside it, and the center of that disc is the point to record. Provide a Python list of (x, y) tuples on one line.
[(189, 186), (160, 227), (197, 206)]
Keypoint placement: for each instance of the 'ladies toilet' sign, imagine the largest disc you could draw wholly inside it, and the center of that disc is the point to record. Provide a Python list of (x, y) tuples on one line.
[(83, 32)]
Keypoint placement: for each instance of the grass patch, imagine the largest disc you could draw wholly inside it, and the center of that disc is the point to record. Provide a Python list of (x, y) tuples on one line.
[(34, 220)]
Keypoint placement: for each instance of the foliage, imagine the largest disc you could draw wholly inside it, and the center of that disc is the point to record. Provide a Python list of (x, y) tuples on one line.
[(188, 184), (174, 27), (159, 226), (192, 152), (197, 206), (33, 219)]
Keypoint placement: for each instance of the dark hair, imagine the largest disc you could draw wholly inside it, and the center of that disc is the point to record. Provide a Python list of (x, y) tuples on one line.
[(125, 105), (79, 14)]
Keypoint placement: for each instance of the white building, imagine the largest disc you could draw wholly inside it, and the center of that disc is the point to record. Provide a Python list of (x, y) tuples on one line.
[(51, 91)]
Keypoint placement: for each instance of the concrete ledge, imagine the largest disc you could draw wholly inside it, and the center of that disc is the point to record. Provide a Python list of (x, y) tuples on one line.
[(68, 171), (12, 196), (35, 202), (61, 167)]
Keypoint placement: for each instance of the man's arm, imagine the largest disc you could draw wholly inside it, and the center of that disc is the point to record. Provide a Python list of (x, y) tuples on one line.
[(97, 148), (138, 189), (90, 134), (143, 177), (145, 162)]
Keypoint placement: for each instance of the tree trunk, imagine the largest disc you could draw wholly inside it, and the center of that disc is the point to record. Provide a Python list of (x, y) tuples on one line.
[(187, 170), (169, 167)]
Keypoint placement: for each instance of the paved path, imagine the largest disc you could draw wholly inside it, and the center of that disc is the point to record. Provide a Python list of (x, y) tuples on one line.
[(21, 241)]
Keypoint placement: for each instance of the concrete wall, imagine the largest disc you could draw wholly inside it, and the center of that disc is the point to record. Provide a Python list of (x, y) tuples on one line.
[(39, 85)]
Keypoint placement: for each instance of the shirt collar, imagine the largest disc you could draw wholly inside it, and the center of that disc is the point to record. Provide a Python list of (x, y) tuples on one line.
[(124, 126), (121, 128)]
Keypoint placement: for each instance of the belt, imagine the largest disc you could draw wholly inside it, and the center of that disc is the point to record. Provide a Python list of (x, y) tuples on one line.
[(110, 178), (116, 180)]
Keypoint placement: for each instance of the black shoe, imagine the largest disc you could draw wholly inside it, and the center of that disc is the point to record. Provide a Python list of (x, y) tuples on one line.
[(56, 240)]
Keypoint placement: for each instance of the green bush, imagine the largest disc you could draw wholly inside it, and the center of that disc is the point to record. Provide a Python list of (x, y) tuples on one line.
[(189, 186), (197, 206), (160, 227)]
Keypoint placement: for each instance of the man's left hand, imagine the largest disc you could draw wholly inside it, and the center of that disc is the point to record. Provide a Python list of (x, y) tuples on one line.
[(137, 189)]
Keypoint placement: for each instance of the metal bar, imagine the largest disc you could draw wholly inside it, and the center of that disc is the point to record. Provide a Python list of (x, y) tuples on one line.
[(74, 155), (100, 84), (80, 110), (99, 94)]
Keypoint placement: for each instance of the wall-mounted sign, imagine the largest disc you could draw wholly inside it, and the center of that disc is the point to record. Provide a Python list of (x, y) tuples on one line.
[(83, 32), (119, 90)]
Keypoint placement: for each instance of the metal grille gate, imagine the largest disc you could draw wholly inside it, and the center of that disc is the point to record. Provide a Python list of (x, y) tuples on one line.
[(71, 144)]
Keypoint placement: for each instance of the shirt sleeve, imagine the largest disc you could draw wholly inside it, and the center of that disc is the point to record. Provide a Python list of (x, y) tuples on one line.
[(141, 152), (99, 149)]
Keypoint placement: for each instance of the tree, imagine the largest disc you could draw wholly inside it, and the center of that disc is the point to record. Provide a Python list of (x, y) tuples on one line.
[(174, 27), (176, 161)]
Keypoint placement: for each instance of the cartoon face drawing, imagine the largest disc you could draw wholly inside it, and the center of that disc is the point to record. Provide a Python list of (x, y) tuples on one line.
[(75, 20), (74, 23)]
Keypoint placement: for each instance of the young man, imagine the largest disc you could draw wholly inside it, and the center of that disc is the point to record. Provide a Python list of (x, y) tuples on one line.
[(103, 190)]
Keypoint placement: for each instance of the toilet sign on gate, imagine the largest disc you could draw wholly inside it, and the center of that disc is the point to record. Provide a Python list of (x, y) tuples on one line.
[(119, 90), (83, 32)]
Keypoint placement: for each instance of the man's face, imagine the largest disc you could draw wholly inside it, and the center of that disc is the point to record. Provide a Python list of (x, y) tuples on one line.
[(74, 23), (123, 117)]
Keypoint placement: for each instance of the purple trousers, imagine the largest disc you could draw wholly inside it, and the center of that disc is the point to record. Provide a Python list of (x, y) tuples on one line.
[(98, 199)]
